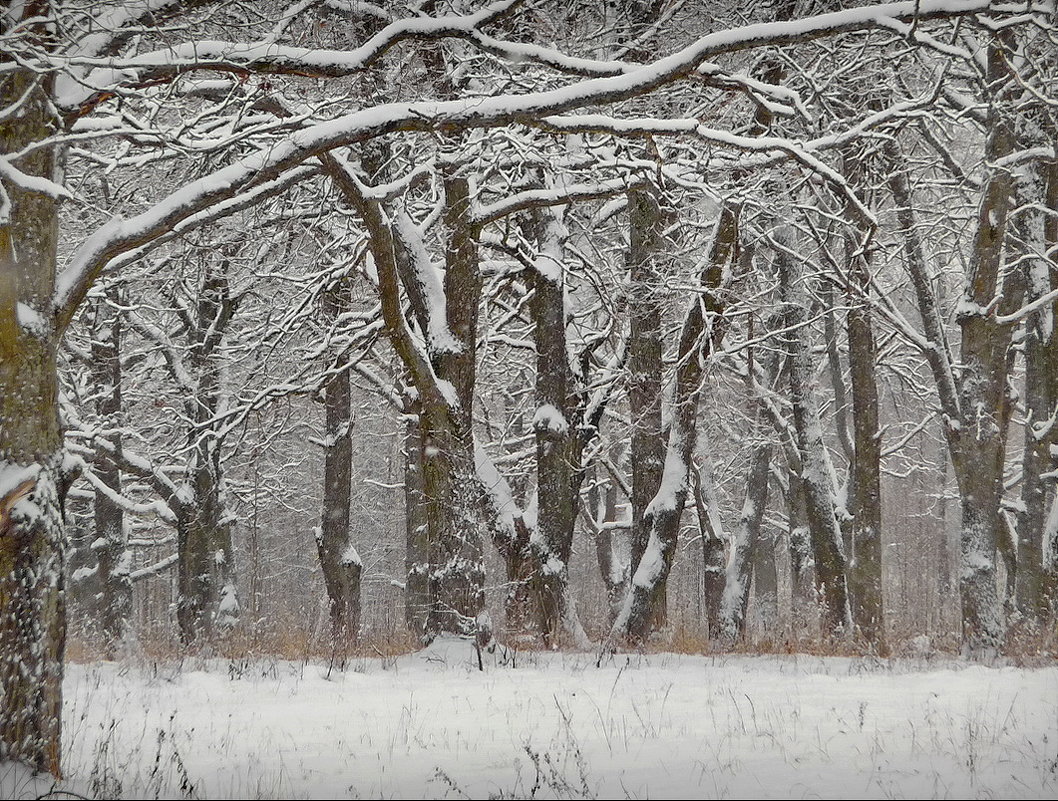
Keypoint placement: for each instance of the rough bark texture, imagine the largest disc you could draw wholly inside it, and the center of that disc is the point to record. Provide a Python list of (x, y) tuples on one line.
[(865, 562), (443, 377), (207, 602), (32, 542), (645, 378), (416, 559), (823, 529), (558, 475), (453, 492), (113, 587), (1034, 234), (983, 394), (339, 560), (748, 558), (661, 519)]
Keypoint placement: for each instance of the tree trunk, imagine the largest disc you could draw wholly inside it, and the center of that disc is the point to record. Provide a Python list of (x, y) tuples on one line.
[(824, 532), (700, 332), (744, 558), (417, 556), (32, 542), (983, 390), (558, 474), (865, 563), (1031, 228), (208, 602), (339, 560), (110, 548), (614, 567), (645, 379)]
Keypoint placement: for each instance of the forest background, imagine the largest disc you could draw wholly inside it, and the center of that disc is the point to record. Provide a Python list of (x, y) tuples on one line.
[(579, 324)]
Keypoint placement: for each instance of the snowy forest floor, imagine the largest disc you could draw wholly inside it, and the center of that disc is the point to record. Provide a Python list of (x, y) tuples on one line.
[(553, 725)]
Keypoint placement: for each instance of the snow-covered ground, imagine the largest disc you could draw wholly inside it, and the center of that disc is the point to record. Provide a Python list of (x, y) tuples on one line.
[(430, 725)]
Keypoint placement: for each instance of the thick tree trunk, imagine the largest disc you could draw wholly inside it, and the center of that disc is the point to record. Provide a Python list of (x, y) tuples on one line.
[(645, 378), (816, 472), (32, 542), (984, 398), (454, 496), (454, 523), (558, 474), (865, 563), (208, 602), (110, 547), (1041, 387), (339, 560), (661, 518)]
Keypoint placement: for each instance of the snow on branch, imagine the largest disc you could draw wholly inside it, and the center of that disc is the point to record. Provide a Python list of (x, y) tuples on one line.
[(555, 196), (267, 56), (266, 168)]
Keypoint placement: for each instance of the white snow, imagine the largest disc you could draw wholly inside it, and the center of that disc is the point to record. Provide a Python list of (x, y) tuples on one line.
[(549, 418), (351, 556), (659, 726)]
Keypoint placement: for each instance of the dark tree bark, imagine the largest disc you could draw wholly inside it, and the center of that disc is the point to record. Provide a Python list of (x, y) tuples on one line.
[(976, 404), (865, 557), (645, 369), (339, 561), (701, 331), (557, 459), (32, 541), (1035, 234), (208, 603), (823, 529), (111, 583)]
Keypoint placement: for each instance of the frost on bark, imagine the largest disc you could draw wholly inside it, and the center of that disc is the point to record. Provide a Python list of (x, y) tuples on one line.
[(714, 544), (557, 458), (32, 543), (99, 568), (865, 559), (207, 601), (661, 519), (752, 559), (612, 550), (416, 558), (816, 471), (976, 401), (1035, 237), (438, 348), (983, 391), (645, 377), (339, 559)]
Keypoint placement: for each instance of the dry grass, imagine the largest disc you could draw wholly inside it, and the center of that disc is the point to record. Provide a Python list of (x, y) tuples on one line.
[(1026, 645), (288, 644)]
